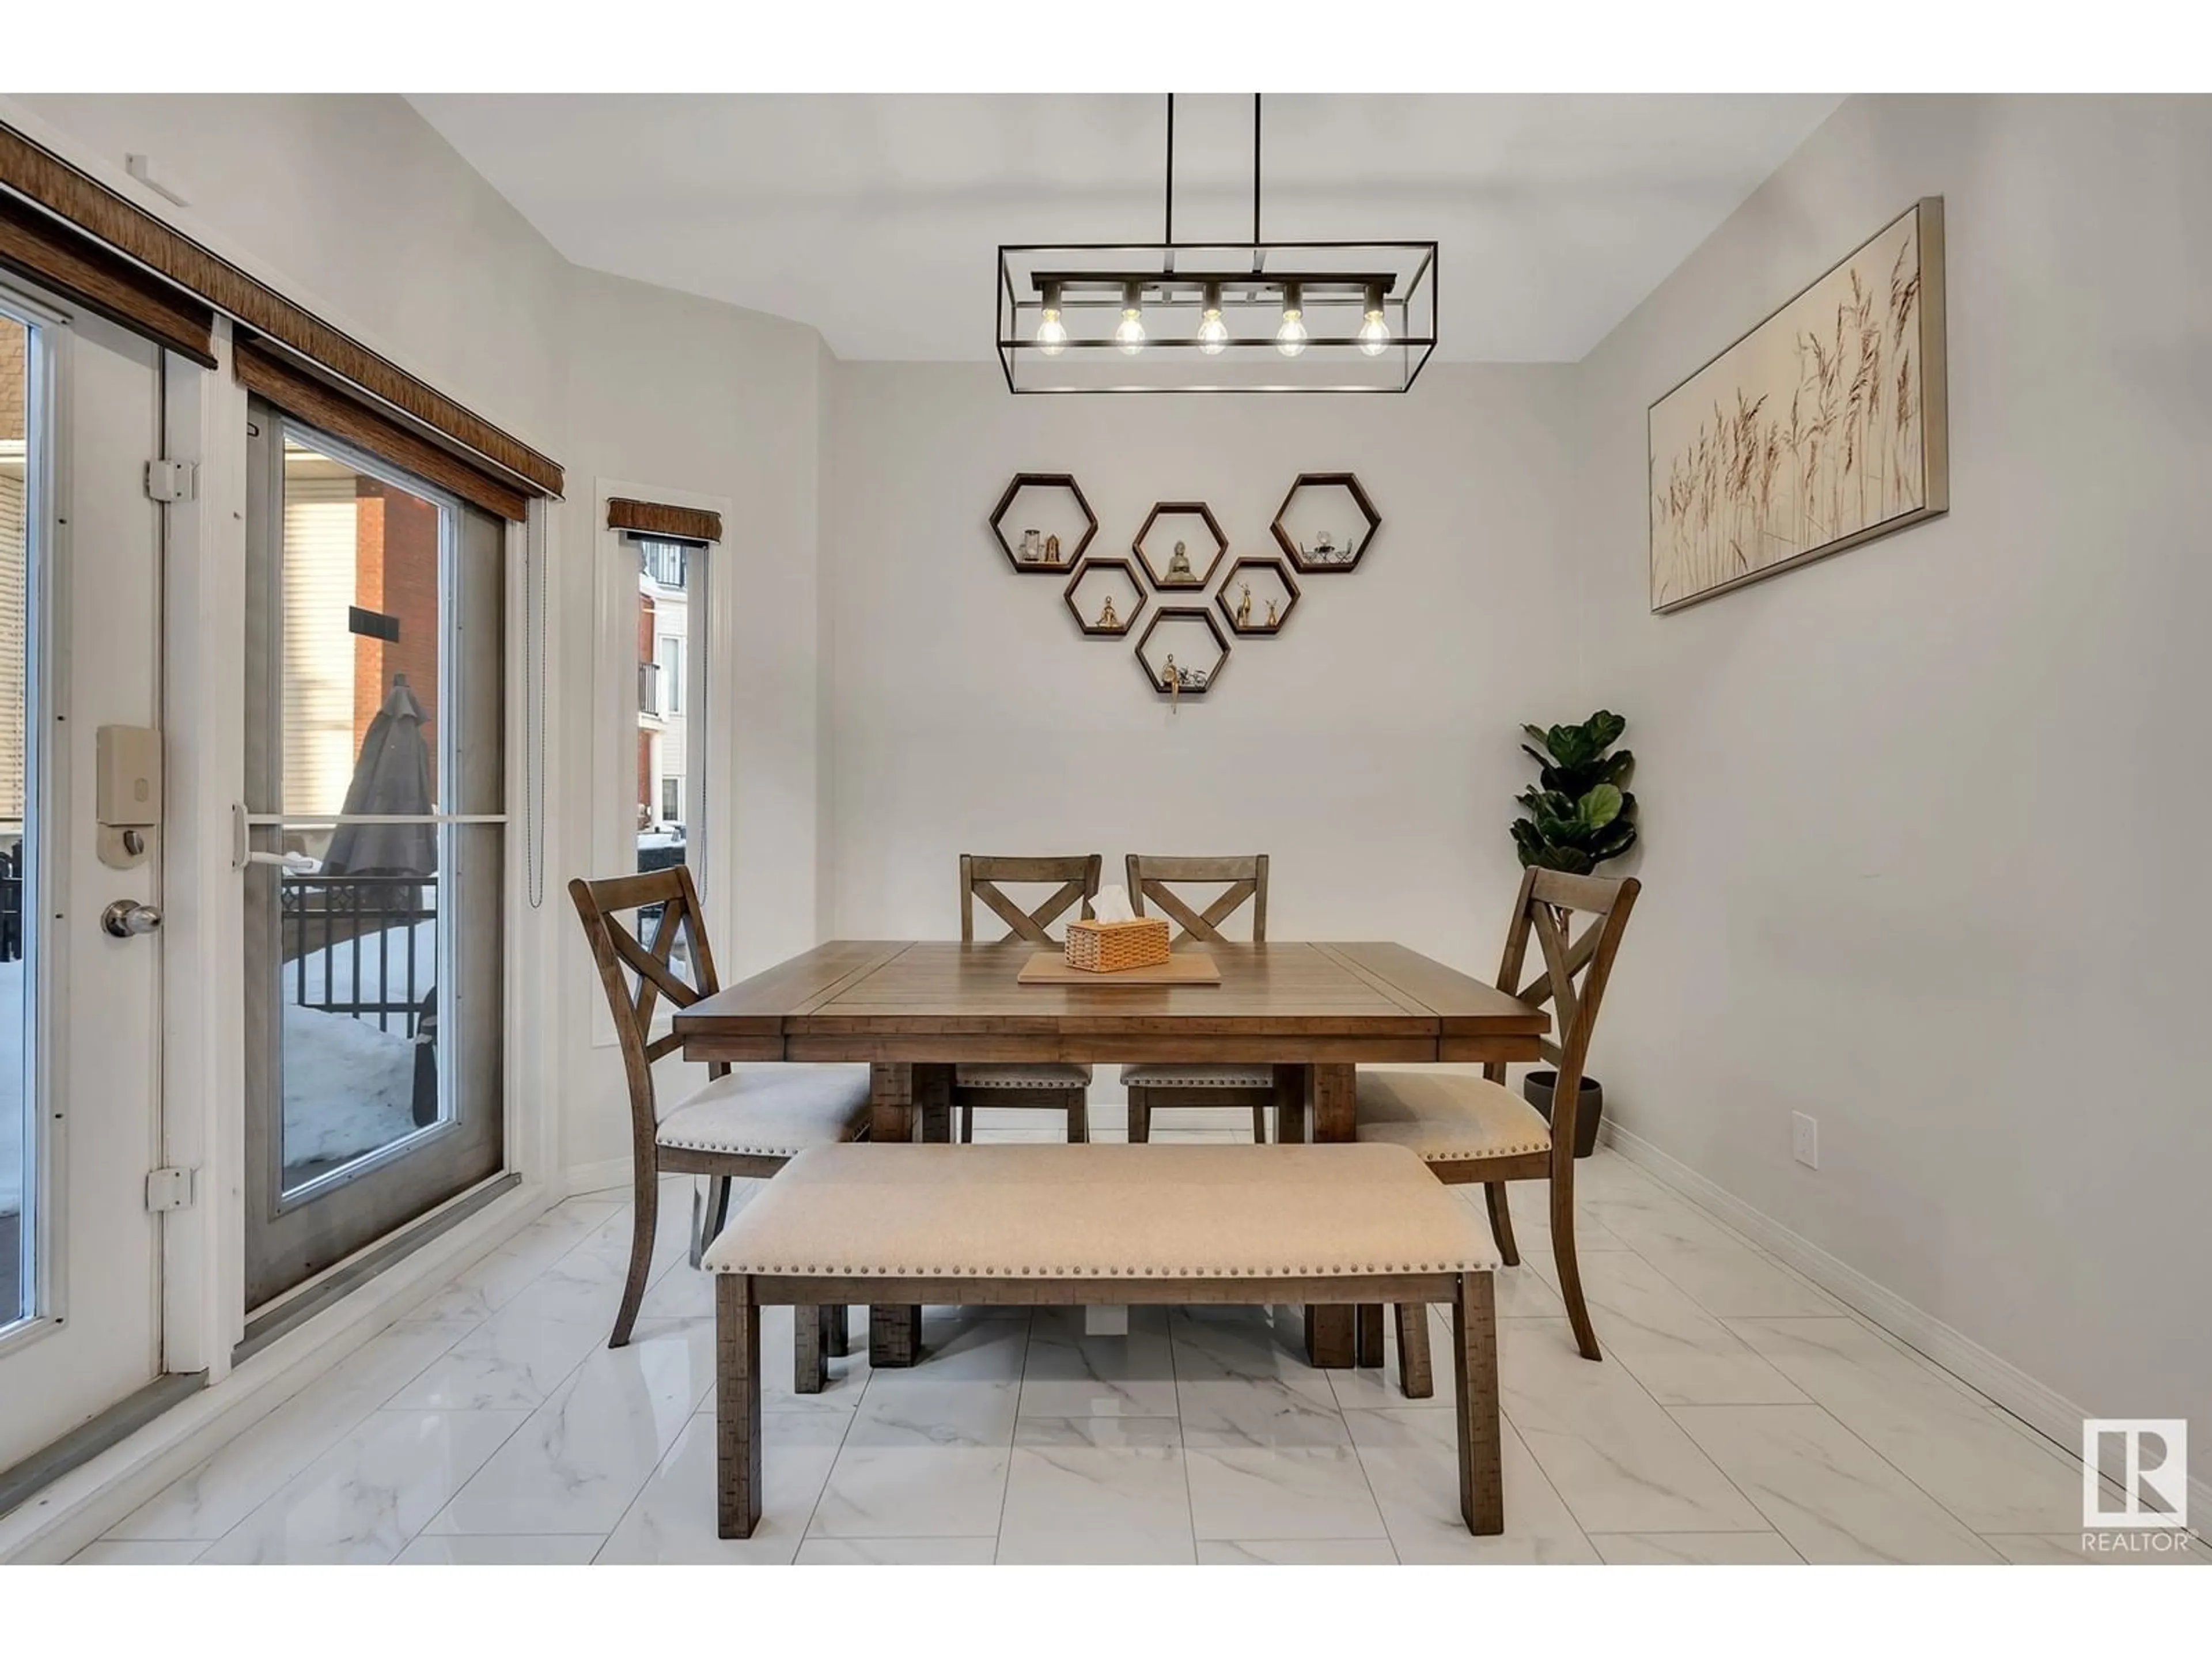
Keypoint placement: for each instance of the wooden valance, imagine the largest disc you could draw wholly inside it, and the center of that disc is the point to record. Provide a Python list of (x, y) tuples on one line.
[(162, 258), (344, 415), (679, 524), (87, 272)]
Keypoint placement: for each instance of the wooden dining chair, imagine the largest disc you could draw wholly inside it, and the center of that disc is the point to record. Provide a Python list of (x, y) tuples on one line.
[(1469, 1129), (1051, 1085), (739, 1124), (1152, 878)]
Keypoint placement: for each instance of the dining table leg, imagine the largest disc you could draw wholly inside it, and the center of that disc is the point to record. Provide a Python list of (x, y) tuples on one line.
[(894, 1333), (932, 1102), (1330, 1119)]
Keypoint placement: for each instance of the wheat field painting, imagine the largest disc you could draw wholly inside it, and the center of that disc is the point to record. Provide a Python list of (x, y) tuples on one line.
[(1821, 428)]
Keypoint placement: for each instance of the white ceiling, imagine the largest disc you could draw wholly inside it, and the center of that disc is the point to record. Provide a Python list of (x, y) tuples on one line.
[(878, 219)]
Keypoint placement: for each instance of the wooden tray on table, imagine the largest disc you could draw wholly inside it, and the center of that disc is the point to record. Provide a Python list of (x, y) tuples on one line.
[(1184, 968)]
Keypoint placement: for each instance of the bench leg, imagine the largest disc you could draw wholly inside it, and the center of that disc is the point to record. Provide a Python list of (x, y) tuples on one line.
[(809, 1330), (1368, 1339), (1415, 1379), (1140, 1115), (840, 1331), (737, 1406), (1474, 1363)]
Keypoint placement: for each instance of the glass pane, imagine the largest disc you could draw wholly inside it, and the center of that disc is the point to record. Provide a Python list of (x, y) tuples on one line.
[(363, 629), (670, 583), (357, 985), (16, 1137)]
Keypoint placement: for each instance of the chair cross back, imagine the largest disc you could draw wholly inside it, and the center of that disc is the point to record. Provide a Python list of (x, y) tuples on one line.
[(1152, 878), (980, 874), (621, 952), (1575, 967)]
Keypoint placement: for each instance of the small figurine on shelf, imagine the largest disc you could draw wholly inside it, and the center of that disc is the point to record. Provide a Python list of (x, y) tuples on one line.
[(1273, 620), (1052, 549), (1171, 681), (1179, 568), (1325, 549), (1244, 607), (1032, 547), (1106, 617)]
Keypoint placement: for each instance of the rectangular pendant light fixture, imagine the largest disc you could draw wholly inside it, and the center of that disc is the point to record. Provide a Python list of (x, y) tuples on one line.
[(1256, 316), (1217, 317)]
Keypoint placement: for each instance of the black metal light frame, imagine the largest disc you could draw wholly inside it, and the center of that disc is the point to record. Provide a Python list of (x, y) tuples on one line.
[(1093, 277)]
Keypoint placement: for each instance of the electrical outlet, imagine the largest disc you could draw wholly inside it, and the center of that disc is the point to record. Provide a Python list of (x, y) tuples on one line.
[(1805, 1140)]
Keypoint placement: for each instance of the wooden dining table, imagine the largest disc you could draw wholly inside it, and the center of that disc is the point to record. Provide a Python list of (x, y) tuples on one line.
[(912, 1009)]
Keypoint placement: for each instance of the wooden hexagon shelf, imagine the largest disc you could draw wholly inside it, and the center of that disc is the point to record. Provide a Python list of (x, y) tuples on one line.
[(1161, 567), (1090, 610), (1313, 549), (1194, 682), (1237, 600), (1042, 564)]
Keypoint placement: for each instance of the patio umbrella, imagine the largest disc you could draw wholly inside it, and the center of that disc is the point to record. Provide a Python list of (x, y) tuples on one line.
[(391, 777)]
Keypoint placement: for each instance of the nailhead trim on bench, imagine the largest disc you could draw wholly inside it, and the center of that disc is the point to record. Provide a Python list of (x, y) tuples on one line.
[(771, 1270)]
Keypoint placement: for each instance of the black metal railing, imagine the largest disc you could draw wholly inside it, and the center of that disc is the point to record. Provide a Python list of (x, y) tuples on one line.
[(361, 932), (11, 904)]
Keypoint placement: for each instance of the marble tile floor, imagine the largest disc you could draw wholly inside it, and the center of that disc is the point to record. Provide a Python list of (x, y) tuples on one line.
[(1739, 1416)]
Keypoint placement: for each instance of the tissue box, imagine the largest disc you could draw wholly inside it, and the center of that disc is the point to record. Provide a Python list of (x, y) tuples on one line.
[(1103, 947)]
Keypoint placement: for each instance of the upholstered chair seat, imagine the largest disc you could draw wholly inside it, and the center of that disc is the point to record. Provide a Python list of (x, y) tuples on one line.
[(775, 1111), (1446, 1118)]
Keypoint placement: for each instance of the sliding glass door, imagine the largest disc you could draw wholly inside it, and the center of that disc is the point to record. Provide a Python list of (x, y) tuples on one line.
[(376, 821)]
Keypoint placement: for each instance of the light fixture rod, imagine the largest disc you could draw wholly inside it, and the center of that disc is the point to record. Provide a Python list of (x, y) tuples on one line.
[(1169, 237), (1255, 170)]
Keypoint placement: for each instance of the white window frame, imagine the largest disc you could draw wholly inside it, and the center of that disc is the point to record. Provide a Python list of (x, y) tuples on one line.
[(710, 628)]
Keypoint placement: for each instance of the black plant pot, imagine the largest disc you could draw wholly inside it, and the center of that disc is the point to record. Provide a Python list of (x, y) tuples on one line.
[(1589, 1106)]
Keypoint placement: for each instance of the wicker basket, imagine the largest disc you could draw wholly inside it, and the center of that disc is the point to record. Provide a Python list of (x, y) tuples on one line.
[(1106, 947)]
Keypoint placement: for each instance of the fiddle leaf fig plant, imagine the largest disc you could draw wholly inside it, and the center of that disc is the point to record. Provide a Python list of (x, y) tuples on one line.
[(1578, 813)]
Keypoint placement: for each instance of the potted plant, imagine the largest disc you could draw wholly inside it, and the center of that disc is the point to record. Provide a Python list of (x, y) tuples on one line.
[(1579, 814)]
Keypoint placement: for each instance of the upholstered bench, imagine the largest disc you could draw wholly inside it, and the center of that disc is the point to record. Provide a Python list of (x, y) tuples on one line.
[(1061, 1225)]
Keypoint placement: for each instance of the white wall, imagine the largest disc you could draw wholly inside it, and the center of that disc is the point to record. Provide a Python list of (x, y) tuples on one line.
[(1369, 749), (1919, 819), (688, 396)]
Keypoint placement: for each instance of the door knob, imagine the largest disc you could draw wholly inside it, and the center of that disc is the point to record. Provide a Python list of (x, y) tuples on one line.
[(127, 918)]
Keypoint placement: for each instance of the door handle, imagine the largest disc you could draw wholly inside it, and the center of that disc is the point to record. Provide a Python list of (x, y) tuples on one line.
[(127, 918)]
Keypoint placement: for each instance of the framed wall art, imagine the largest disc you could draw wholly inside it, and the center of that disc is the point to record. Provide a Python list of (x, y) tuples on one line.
[(1822, 428)]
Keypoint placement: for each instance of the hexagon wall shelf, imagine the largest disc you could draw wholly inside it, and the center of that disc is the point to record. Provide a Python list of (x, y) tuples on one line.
[(1181, 615), (1069, 557), (1272, 584), (1160, 565), (1306, 533), (1096, 583)]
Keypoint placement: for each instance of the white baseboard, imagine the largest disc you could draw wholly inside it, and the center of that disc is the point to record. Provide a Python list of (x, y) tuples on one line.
[(57, 1522), (2042, 1407)]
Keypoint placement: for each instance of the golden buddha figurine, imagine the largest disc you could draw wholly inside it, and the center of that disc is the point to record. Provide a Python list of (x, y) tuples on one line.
[(1106, 617), (1179, 568)]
